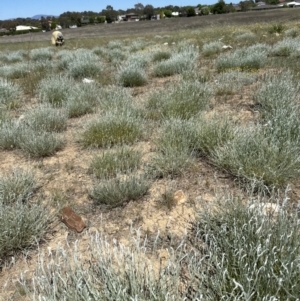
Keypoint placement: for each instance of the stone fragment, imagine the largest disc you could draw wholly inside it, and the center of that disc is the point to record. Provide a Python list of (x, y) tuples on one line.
[(72, 220), (179, 197)]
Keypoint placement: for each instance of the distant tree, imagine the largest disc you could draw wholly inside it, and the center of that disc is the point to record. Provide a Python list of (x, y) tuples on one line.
[(272, 1), (205, 10), (246, 5), (219, 8), (109, 7), (139, 7), (190, 12), (45, 24), (101, 19), (75, 18), (92, 20), (53, 25), (149, 11), (168, 13)]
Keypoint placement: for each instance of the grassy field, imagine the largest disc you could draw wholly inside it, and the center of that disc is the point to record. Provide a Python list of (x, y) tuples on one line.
[(180, 153)]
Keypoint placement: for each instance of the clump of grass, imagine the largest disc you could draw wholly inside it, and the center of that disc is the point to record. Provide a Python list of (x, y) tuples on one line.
[(114, 128), (184, 100), (276, 28), (120, 190), (179, 62), (110, 164), (55, 89), (131, 75), (17, 186), (244, 59), (10, 94), (212, 48), (137, 45), (116, 56), (47, 118), (161, 56), (174, 149), (41, 54), (246, 36)]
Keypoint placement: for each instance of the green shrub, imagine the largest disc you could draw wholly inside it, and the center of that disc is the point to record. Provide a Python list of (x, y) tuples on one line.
[(184, 100), (110, 164), (276, 28), (114, 128), (161, 56), (120, 190)]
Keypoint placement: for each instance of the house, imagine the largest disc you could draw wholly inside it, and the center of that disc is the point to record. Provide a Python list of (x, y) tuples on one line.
[(73, 26), (175, 14), (23, 27), (132, 17), (293, 4)]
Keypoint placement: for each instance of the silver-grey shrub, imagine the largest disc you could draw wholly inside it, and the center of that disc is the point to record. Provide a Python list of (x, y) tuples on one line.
[(244, 59), (85, 63), (83, 99), (131, 75), (17, 186), (10, 93), (13, 56), (41, 54), (184, 100), (55, 89), (175, 151), (183, 60), (291, 32), (47, 118), (286, 47), (10, 134), (246, 36), (14, 71), (233, 81), (255, 154), (212, 48), (39, 143)]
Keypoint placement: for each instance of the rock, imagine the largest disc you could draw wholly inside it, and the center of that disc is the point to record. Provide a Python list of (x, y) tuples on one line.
[(179, 197), (72, 220), (277, 34), (166, 44)]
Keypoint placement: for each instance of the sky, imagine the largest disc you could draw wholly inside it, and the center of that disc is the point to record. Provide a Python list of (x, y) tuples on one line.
[(24, 9)]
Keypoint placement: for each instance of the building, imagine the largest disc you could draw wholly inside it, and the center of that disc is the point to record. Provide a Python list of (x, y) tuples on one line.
[(23, 27)]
